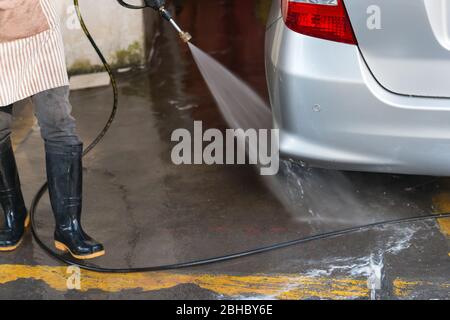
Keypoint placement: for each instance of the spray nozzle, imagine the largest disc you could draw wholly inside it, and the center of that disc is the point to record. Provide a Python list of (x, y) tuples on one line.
[(185, 36)]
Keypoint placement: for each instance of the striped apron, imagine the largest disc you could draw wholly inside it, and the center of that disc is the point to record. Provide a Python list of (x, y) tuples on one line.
[(32, 56)]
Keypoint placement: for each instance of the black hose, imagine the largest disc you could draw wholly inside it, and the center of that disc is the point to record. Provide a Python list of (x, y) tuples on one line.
[(130, 6), (194, 263)]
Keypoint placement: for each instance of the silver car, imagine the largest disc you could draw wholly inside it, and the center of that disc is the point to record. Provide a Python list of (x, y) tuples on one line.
[(362, 84)]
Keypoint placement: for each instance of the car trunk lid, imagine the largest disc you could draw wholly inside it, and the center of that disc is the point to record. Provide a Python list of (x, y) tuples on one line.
[(405, 43)]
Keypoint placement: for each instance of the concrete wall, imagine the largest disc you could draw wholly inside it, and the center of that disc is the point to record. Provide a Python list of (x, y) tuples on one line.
[(113, 27)]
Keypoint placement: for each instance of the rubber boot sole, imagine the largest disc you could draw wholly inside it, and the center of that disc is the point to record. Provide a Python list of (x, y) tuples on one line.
[(14, 247), (62, 247)]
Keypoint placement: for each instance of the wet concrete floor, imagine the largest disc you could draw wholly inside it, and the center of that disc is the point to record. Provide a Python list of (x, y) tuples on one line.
[(148, 211)]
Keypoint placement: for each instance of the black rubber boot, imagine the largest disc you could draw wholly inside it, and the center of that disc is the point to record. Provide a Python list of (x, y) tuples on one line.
[(64, 175), (11, 200)]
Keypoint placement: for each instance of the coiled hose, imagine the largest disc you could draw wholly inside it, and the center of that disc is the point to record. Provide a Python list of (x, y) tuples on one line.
[(71, 261)]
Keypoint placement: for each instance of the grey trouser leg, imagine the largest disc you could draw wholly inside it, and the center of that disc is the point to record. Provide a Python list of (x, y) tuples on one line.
[(53, 111)]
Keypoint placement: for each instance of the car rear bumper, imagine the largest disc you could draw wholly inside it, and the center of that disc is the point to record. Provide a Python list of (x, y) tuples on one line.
[(332, 113)]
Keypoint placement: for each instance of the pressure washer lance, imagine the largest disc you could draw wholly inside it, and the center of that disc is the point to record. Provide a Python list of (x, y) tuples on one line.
[(185, 36), (158, 5)]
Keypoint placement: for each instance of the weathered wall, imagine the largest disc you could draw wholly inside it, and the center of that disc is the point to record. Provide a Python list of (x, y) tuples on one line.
[(119, 33)]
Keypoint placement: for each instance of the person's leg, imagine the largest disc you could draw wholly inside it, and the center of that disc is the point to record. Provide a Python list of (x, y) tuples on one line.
[(53, 111), (5, 123), (63, 152), (11, 199)]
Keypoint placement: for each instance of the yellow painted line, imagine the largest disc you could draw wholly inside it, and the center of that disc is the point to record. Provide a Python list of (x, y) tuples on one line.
[(282, 286), (442, 204), (270, 286), (405, 288)]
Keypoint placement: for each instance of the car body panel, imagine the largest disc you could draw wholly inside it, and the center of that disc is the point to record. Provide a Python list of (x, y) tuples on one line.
[(274, 13), (405, 43), (333, 113)]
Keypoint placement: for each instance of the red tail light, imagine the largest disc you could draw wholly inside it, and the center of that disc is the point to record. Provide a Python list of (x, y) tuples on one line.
[(325, 19)]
